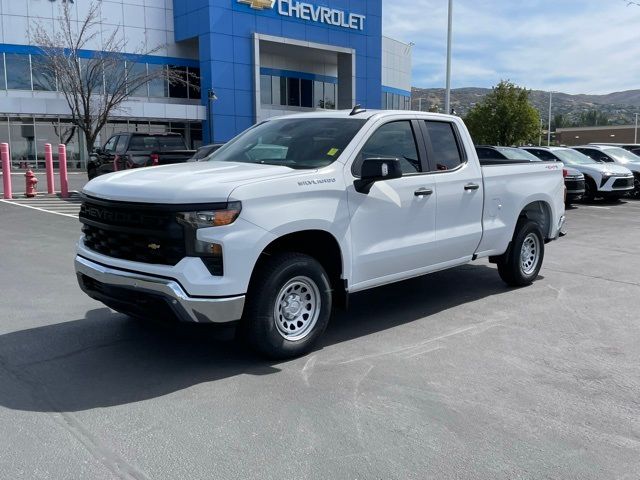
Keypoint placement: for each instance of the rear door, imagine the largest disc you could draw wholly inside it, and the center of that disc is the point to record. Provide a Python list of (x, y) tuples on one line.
[(460, 192)]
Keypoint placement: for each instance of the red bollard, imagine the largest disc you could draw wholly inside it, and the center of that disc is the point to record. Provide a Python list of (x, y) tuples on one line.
[(6, 170), (48, 160), (64, 181)]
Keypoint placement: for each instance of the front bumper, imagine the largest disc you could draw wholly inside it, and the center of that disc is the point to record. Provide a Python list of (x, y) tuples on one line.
[(144, 295)]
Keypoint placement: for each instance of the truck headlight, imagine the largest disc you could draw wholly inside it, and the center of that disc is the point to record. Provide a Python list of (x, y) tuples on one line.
[(211, 218)]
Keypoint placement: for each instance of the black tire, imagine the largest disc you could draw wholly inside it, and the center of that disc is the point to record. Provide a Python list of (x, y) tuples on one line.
[(92, 173), (510, 265), (263, 327), (635, 194), (590, 190)]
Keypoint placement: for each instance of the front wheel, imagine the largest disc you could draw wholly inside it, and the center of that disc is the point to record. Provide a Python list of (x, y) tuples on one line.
[(288, 305), (590, 190), (521, 264)]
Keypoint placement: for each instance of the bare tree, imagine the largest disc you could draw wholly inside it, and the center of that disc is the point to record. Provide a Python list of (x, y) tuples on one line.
[(96, 87)]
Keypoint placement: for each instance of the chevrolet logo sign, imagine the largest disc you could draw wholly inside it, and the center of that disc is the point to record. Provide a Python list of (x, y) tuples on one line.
[(153, 246), (259, 4)]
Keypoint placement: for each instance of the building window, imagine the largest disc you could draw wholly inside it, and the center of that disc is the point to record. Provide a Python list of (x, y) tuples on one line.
[(194, 83), (43, 78), (330, 96), (137, 70), (18, 71), (3, 85), (306, 93), (293, 92), (113, 76), (266, 93), (178, 89), (158, 87)]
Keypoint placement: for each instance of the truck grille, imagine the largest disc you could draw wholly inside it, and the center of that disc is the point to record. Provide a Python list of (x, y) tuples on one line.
[(137, 232)]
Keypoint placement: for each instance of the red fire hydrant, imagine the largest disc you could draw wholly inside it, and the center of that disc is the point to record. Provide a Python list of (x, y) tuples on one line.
[(31, 183)]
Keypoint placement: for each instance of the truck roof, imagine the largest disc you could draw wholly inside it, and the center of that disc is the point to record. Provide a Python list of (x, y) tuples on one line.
[(366, 114)]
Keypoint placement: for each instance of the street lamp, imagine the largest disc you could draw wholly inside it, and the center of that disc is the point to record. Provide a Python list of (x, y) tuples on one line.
[(447, 98), (212, 98), (549, 131)]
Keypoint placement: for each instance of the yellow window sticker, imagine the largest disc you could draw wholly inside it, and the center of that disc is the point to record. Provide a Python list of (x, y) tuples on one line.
[(333, 151)]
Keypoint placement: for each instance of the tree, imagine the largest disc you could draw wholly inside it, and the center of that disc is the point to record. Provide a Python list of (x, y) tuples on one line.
[(593, 118), (559, 121), (504, 117), (95, 87)]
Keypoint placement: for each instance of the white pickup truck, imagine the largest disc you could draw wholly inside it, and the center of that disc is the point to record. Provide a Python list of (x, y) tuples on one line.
[(280, 225)]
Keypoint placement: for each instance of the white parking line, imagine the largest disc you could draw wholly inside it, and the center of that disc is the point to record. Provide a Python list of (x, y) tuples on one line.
[(69, 207)]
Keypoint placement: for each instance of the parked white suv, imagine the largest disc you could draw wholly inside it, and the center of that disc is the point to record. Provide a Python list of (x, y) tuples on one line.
[(285, 221), (617, 155), (601, 180)]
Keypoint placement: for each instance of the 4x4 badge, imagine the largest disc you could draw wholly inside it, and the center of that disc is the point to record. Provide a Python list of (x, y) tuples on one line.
[(259, 4)]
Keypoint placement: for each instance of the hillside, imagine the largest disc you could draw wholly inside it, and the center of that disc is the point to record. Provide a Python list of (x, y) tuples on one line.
[(619, 107)]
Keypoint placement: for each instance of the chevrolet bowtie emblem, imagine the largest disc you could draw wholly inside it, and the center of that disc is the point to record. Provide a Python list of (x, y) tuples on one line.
[(154, 246), (259, 4)]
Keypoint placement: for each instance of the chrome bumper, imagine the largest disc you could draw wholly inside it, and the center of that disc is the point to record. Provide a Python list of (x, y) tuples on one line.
[(133, 293)]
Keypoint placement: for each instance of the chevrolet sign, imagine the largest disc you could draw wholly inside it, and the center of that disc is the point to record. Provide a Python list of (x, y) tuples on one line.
[(311, 13)]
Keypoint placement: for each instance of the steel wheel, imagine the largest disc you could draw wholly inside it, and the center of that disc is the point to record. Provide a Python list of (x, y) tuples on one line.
[(297, 308), (530, 254)]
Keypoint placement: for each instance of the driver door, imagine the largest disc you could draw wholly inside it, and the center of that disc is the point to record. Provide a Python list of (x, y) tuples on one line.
[(393, 226)]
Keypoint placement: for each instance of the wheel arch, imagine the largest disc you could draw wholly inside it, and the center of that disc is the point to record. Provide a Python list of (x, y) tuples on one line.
[(319, 244), (539, 211)]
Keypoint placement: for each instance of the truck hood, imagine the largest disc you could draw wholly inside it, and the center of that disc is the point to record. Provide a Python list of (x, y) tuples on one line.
[(200, 182)]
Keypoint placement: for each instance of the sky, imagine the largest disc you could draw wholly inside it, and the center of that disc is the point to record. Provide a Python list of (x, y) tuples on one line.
[(571, 46)]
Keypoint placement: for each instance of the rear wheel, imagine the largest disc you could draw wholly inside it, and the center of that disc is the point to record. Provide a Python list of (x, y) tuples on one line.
[(92, 173), (288, 306), (521, 264)]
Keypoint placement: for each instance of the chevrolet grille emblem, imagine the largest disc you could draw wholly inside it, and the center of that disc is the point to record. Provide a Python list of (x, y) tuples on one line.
[(259, 4), (154, 246)]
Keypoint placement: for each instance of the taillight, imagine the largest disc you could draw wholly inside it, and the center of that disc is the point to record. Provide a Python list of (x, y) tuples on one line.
[(155, 159), (565, 173)]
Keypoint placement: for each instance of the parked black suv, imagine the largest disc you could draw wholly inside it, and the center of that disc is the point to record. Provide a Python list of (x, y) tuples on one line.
[(134, 150)]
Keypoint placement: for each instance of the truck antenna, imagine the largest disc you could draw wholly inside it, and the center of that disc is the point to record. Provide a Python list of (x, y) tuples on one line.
[(357, 110)]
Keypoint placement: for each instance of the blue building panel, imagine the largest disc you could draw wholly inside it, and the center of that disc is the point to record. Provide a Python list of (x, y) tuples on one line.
[(225, 30)]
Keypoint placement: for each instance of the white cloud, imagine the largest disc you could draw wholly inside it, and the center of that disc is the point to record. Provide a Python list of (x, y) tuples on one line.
[(576, 46)]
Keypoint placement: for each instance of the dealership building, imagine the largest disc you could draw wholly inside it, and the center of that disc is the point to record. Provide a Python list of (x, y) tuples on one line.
[(246, 60)]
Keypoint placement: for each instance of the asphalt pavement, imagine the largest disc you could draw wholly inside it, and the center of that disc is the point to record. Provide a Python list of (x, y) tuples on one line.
[(451, 376)]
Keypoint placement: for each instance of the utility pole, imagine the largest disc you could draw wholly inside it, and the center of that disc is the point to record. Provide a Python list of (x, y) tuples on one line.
[(635, 137), (549, 131), (447, 97), (420, 106)]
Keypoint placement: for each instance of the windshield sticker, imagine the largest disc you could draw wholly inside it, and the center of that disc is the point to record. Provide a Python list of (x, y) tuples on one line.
[(317, 181), (333, 151)]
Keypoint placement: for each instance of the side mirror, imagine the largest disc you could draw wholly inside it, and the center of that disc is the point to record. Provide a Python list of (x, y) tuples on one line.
[(377, 170), (98, 151)]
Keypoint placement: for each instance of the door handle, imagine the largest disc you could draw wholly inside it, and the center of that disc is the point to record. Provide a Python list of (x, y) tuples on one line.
[(423, 192), (471, 186)]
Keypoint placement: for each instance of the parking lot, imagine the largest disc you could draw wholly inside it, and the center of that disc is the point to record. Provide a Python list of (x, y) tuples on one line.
[(448, 376)]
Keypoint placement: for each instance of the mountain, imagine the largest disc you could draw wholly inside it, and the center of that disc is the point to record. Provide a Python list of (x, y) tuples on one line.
[(618, 107)]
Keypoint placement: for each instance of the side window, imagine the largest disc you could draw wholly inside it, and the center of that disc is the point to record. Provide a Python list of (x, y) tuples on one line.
[(446, 151), (110, 146), (394, 140), (121, 146), (486, 154), (544, 155)]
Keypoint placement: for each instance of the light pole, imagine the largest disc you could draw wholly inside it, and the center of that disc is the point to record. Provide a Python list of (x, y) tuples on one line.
[(212, 98), (549, 131), (447, 97), (635, 137)]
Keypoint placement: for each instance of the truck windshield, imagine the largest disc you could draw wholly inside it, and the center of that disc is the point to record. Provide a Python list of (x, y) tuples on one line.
[(299, 143), (572, 157)]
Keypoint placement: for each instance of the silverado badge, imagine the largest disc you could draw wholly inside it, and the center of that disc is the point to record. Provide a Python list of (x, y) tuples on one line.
[(154, 246), (259, 4)]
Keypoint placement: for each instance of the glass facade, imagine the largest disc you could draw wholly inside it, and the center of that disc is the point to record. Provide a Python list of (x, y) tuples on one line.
[(394, 101), (27, 137), (26, 72), (297, 92)]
